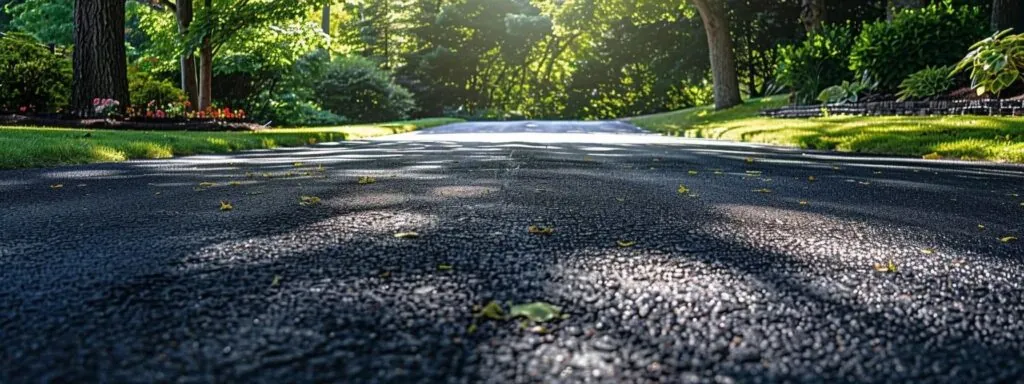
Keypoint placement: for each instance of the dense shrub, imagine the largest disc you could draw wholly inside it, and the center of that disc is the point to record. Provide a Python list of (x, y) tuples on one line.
[(819, 61), (356, 88), (145, 88), (926, 83), (289, 110), (936, 35), (31, 76)]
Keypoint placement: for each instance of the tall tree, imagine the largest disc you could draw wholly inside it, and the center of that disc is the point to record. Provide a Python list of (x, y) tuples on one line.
[(325, 18), (99, 60), (723, 59), (1007, 14), (189, 82), (812, 14)]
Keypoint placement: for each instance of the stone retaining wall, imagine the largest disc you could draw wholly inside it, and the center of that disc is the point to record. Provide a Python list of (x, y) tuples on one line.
[(992, 107)]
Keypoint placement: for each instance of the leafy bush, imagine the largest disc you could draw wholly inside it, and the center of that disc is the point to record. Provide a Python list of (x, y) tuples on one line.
[(145, 88), (290, 110), (995, 62), (916, 39), (926, 83), (31, 76), (356, 88), (817, 62)]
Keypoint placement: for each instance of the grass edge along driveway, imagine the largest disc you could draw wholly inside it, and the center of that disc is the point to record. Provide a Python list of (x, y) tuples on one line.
[(989, 138), (29, 147)]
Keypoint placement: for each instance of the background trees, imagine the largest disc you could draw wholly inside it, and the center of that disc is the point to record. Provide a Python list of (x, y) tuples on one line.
[(500, 59)]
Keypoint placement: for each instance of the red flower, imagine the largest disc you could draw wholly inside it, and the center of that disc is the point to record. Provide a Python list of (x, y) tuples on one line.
[(96, 101), (23, 109), (160, 114)]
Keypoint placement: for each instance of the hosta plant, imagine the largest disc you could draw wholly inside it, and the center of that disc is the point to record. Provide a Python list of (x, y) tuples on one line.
[(926, 83), (995, 62)]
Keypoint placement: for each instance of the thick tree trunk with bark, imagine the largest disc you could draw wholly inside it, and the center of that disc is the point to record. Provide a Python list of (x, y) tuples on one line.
[(189, 82), (206, 67), (723, 59), (325, 19), (1007, 14), (895, 6), (812, 14), (100, 64)]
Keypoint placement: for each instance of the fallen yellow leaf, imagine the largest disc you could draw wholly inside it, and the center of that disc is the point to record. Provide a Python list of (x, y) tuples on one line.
[(683, 189), (928, 251), (932, 156), (693, 173), (890, 267), (226, 206), (981, 227), (407, 235), (297, 165), (56, 186), (207, 184), (308, 201), (763, 190), (445, 267), (749, 160), (541, 230), (625, 243), (364, 180), (276, 282), (234, 184), (804, 202), (812, 178), (1008, 239)]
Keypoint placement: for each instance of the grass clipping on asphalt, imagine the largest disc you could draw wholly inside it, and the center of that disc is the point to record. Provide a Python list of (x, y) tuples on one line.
[(929, 137), (26, 147)]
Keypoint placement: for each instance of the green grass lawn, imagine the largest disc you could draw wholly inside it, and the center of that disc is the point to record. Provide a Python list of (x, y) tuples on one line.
[(24, 147), (956, 137)]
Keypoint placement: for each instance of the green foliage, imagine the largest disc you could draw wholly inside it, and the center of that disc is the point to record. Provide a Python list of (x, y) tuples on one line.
[(31, 76), (847, 92), (291, 111), (916, 39), (356, 88), (144, 88), (50, 21), (926, 83), (818, 62), (995, 62)]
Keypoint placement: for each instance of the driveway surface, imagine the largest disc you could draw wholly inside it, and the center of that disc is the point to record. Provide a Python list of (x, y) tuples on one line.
[(754, 273)]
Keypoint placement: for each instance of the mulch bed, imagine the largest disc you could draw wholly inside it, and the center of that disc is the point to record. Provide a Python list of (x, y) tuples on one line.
[(137, 125)]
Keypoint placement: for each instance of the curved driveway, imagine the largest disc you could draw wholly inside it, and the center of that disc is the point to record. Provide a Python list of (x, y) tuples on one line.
[(755, 273)]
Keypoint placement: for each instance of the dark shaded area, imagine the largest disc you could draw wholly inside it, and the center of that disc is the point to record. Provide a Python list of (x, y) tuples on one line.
[(128, 273)]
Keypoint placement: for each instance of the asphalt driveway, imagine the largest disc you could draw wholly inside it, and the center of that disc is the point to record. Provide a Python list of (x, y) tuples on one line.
[(674, 260)]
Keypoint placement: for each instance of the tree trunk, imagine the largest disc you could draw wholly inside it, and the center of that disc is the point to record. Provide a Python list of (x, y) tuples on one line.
[(898, 5), (206, 67), (1007, 14), (189, 82), (812, 14), (325, 19), (100, 64), (723, 59)]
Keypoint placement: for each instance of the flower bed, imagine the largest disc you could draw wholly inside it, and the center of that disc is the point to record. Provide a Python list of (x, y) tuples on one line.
[(108, 114)]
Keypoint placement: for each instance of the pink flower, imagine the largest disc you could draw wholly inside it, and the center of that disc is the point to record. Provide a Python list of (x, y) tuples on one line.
[(96, 101), (160, 114)]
